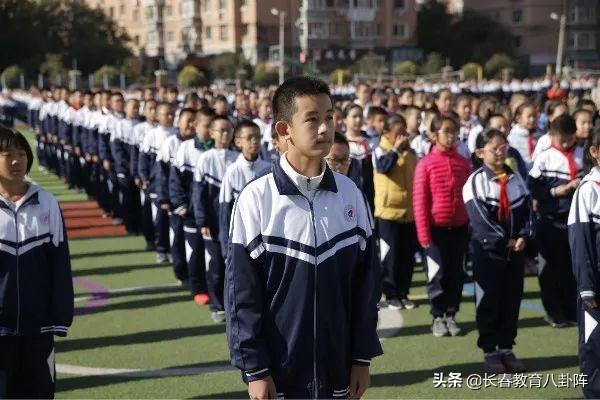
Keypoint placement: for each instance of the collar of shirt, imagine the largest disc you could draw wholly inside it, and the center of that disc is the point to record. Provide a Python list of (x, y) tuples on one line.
[(306, 185)]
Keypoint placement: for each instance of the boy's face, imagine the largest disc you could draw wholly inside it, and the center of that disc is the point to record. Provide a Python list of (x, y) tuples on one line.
[(561, 109), (413, 120), (186, 125), (105, 100), (584, 125), (13, 164), (148, 95), (221, 107), (443, 102), (221, 132), (242, 103), (354, 120), (363, 94), (311, 130), (202, 127), (380, 123), (265, 109), (463, 109), (406, 99), (562, 140), (528, 118), (116, 104), (165, 115), (499, 123), (132, 109), (338, 121), (150, 111), (338, 158), (397, 130), (87, 100), (248, 141)]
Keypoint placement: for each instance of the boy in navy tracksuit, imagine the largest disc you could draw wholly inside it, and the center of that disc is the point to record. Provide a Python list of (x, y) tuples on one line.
[(301, 276), (149, 169), (248, 166), (208, 175), (555, 175), (499, 208), (181, 186), (165, 160), (120, 150), (584, 240), (36, 291)]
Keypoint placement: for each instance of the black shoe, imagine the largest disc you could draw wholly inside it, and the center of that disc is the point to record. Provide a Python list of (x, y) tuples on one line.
[(493, 363), (394, 304), (150, 247), (511, 362), (556, 322)]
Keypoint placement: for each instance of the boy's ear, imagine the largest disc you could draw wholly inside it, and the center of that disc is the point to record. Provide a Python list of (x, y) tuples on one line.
[(282, 129)]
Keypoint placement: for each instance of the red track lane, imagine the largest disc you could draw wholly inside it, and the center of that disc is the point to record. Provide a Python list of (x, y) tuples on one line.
[(83, 219)]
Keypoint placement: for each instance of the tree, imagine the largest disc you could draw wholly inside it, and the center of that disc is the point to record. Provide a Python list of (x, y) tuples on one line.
[(11, 76), (264, 76), (190, 77), (494, 66), (345, 74), (433, 64), (111, 73), (369, 64), (471, 70), (406, 68), (53, 68), (226, 65)]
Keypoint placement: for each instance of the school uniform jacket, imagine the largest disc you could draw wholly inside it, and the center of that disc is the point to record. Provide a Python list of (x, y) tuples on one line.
[(300, 282), (107, 131), (551, 169), (235, 179), (164, 160), (481, 195), (208, 176), (139, 132), (36, 290), (584, 237), (120, 147), (524, 142), (147, 167)]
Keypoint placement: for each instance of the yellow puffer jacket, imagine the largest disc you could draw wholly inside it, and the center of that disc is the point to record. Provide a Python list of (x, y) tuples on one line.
[(394, 190)]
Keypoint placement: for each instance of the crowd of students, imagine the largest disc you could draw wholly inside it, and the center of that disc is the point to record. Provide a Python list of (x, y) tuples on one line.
[(448, 177)]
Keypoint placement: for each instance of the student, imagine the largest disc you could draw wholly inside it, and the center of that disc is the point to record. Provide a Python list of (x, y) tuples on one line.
[(166, 159), (339, 159), (180, 189), (395, 164), (469, 126), (265, 122), (247, 166), (412, 115), (553, 178), (513, 158), (148, 169), (554, 109), (301, 307), (423, 143), (583, 240), (583, 121), (37, 290), (443, 101), (208, 176), (441, 221), (121, 154), (522, 134), (139, 133), (499, 208)]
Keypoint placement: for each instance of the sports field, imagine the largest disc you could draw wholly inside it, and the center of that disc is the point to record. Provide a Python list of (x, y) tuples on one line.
[(138, 335)]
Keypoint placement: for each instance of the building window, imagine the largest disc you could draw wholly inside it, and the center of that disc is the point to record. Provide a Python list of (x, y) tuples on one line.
[(244, 31), (137, 40), (222, 4), (152, 38), (517, 41), (315, 30), (168, 11), (223, 32), (583, 41), (400, 30), (122, 9), (580, 41), (208, 32), (399, 5), (330, 3), (378, 30), (149, 12), (170, 36), (136, 15), (334, 29), (206, 4), (244, 3), (517, 16), (111, 12)]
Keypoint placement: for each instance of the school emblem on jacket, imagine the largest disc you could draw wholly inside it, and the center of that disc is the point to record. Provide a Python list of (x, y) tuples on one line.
[(349, 213)]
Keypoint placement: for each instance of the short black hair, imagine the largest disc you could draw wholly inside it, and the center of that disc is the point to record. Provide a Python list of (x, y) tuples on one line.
[(376, 110), (564, 125), (12, 138), (219, 118), (284, 99), (187, 110), (339, 138), (438, 120), (396, 119), (206, 112), (221, 98), (244, 124)]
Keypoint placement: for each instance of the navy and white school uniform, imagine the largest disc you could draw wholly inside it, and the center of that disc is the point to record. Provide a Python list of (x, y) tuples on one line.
[(208, 176), (81, 167), (62, 135), (499, 209), (552, 168), (67, 136), (584, 240), (524, 142), (165, 160), (121, 153), (107, 131), (301, 296), (469, 130), (181, 185), (149, 169), (235, 179), (267, 151), (146, 223), (36, 293)]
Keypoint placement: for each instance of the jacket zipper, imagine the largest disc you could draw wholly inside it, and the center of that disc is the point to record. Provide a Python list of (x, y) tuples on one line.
[(18, 279)]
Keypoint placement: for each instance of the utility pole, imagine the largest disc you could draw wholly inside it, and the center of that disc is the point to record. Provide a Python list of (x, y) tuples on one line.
[(561, 39), (281, 15)]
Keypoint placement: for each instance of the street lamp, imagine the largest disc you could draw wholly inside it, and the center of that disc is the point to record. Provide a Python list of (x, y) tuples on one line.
[(562, 18), (281, 15)]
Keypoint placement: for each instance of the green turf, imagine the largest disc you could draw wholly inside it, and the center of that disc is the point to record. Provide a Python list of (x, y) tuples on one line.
[(163, 329)]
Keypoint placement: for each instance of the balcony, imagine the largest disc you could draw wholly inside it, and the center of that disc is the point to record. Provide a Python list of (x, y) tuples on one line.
[(359, 14)]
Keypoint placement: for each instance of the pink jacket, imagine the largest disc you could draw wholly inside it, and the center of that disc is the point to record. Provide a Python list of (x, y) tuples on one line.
[(437, 196)]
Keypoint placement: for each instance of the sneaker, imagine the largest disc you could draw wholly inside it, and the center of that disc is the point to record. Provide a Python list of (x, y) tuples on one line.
[(510, 361), (555, 322), (162, 258), (452, 326), (201, 299), (493, 363), (117, 221), (394, 304), (438, 327), (183, 282), (218, 317), (406, 303)]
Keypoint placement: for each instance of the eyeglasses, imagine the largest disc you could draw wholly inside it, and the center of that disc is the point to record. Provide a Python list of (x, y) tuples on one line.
[(251, 138), (338, 160), (500, 150)]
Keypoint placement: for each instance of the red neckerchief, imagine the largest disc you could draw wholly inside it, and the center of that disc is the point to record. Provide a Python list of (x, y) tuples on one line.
[(530, 144), (504, 207), (570, 159)]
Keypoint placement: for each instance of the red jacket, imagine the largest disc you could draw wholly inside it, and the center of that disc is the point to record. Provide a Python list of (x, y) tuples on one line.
[(437, 196)]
